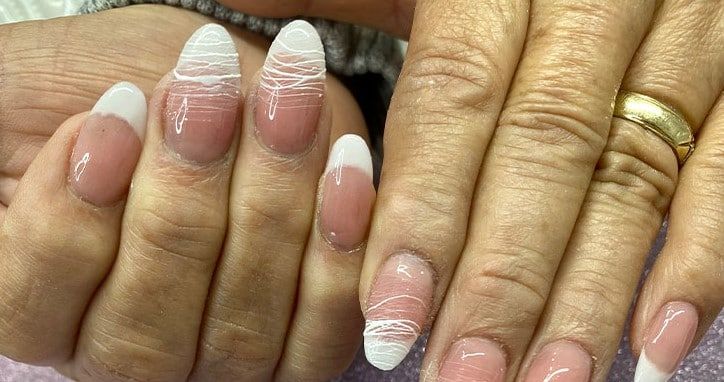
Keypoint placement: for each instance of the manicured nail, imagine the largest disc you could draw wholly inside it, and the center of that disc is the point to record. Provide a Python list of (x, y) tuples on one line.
[(668, 339), (397, 309), (291, 91), (204, 96), (473, 360), (109, 145), (348, 194), (561, 361)]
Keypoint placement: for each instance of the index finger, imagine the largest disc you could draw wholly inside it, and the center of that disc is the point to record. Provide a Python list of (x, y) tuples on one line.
[(460, 62)]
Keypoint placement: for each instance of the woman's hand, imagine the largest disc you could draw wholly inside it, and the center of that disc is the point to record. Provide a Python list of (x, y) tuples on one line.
[(226, 261), (536, 243)]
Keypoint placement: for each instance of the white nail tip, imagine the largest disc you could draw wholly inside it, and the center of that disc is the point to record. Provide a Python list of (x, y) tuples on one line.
[(350, 150), (126, 101), (386, 354), (300, 38), (646, 371), (209, 57)]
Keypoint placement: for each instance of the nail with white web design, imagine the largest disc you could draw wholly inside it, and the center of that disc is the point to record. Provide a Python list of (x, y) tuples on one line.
[(291, 90), (397, 309)]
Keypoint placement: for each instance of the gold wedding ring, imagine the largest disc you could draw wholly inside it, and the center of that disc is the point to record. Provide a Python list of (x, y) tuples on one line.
[(658, 118)]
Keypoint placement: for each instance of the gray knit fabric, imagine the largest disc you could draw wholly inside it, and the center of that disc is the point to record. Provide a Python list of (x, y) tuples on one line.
[(350, 49)]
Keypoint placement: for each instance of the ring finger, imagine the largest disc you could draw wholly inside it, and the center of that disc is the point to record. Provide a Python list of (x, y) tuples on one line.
[(627, 199)]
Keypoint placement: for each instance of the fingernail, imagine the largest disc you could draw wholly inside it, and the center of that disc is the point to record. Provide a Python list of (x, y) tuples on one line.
[(472, 360), (291, 90), (668, 339), (397, 309), (561, 361), (204, 96), (348, 194), (109, 145)]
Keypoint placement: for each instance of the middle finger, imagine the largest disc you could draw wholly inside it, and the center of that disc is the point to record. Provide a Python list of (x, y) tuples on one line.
[(534, 178)]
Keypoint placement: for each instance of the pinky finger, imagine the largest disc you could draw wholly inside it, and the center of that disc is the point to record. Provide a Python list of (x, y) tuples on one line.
[(683, 293)]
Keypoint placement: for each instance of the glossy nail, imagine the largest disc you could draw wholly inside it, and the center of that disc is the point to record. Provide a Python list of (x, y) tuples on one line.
[(203, 98), (397, 309), (473, 360), (668, 339), (561, 361), (291, 90), (348, 194), (109, 145)]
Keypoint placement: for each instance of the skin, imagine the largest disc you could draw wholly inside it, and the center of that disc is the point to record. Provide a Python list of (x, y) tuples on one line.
[(557, 155), (455, 80), (83, 316)]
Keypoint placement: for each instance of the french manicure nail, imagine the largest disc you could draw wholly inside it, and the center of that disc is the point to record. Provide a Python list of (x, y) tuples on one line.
[(291, 90), (668, 339), (203, 97), (109, 145), (561, 361), (397, 309), (348, 193), (473, 360)]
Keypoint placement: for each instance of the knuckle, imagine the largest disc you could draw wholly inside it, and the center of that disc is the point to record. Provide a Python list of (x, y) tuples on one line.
[(459, 67), (554, 118), (495, 285), (631, 181), (113, 358), (263, 213), (239, 347), (187, 233)]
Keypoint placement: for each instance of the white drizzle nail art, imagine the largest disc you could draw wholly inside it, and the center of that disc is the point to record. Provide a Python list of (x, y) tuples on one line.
[(294, 70), (393, 323), (209, 59)]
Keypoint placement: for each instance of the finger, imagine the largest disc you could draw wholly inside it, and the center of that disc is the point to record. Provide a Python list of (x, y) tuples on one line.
[(446, 105), (628, 197), (682, 294), (286, 139), (143, 323), (390, 16), (326, 329), (62, 229), (533, 182)]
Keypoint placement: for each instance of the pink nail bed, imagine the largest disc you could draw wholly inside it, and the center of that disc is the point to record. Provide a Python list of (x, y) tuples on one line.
[(108, 146), (203, 98), (561, 361), (291, 90), (473, 360), (397, 309), (348, 194), (667, 342)]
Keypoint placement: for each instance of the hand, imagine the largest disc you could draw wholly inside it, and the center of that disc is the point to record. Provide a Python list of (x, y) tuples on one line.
[(554, 228), (157, 286)]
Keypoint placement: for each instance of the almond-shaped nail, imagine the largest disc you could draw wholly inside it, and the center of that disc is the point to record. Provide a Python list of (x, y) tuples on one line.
[(291, 90), (203, 97), (397, 309), (561, 361), (348, 194), (668, 339), (473, 360), (108, 146)]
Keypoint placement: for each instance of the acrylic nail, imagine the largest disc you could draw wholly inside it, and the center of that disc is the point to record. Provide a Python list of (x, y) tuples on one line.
[(203, 97), (291, 90), (667, 341), (473, 360), (108, 146), (397, 309), (347, 194), (561, 361)]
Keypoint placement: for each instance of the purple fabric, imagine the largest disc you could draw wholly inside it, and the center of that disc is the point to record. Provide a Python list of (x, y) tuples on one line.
[(705, 364)]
